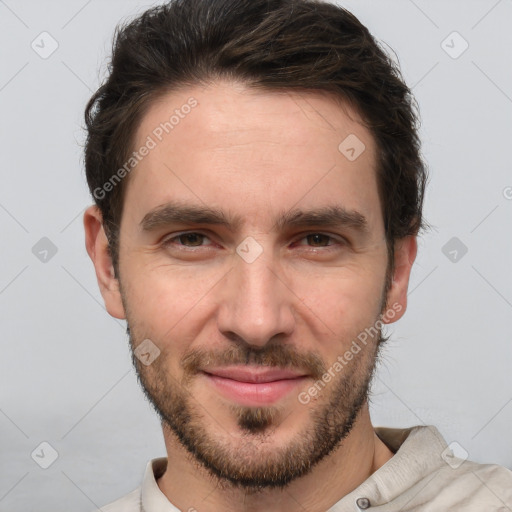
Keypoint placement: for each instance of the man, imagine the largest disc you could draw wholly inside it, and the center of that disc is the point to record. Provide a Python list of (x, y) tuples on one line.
[(258, 186)]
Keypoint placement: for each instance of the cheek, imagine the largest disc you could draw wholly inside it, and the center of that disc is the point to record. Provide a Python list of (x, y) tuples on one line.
[(341, 303), (168, 301)]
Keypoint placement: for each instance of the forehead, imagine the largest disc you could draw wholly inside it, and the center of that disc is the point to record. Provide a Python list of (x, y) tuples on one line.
[(231, 146)]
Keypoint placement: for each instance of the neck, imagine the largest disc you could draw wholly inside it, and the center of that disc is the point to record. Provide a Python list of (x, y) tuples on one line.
[(189, 486)]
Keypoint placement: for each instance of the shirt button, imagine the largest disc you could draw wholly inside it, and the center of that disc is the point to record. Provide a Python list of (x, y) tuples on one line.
[(363, 503)]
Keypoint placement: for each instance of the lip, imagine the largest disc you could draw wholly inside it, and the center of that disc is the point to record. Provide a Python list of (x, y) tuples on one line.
[(254, 386)]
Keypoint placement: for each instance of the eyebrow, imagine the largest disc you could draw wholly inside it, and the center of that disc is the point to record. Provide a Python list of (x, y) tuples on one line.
[(327, 216), (176, 213)]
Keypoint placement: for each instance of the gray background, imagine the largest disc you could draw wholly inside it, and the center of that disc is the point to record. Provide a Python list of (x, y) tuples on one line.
[(65, 369)]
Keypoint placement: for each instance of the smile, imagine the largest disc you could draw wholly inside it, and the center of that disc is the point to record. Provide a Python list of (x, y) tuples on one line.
[(253, 386)]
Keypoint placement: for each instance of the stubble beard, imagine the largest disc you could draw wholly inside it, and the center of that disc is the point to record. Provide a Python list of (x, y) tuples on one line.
[(241, 461), (242, 466)]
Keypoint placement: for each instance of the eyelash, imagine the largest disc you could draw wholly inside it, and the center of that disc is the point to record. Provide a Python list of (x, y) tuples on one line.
[(171, 240)]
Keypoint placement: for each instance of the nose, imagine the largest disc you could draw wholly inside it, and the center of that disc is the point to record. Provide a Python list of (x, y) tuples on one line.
[(256, 303)]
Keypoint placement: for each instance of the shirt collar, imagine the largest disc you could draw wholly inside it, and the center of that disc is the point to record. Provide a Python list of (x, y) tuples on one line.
[(152, 498), (417, 454)]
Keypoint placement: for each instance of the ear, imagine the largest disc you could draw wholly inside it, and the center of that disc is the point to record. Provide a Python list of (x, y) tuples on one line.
[(96, 243), (405, 253)]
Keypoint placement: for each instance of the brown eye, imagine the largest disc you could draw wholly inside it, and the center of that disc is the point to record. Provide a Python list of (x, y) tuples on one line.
[(191, 239), (318, 240)]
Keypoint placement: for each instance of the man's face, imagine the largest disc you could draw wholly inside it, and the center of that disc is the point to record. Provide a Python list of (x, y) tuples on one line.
[(282, 269)]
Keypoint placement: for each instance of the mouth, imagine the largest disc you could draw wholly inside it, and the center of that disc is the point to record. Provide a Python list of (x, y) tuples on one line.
[(254, 386)]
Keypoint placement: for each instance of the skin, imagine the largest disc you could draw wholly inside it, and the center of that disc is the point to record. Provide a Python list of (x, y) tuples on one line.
[(255, 155)]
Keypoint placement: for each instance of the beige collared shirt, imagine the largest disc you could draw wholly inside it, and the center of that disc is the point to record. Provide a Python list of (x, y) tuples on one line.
[(422, 476)]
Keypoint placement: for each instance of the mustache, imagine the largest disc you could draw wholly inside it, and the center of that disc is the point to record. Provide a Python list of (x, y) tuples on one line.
[(272, 355)]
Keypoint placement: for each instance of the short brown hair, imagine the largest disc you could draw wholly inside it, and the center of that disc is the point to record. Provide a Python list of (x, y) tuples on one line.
[(268, 44)]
